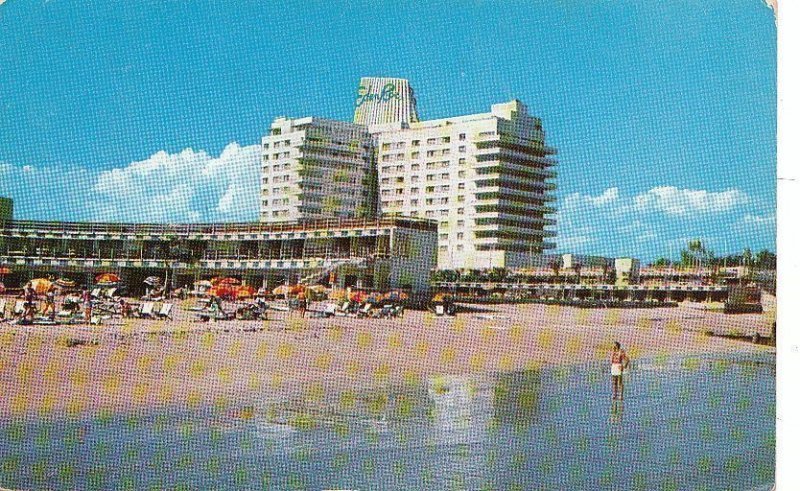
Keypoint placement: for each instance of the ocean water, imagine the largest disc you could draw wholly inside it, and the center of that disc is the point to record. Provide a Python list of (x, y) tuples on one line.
[(688, 423)]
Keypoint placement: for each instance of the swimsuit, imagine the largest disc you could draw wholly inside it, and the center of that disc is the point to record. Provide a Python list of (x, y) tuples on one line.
[(616, 364)]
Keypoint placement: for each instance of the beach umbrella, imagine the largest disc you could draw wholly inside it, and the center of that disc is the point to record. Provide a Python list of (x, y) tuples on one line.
[(229, 281), (295, 289), (245, 291), (41, 285), (107, 278), (152, 281), (358, 296), (5, 270), (65, 283), (438, 298), (337, 294), (281, 290)]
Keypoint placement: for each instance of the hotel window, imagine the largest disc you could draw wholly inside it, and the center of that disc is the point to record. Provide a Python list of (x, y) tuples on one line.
[(461, 211), (276, 168), (400, 168), (431, 141), (415, 143), (460, 247), (287, 143), (429, 201), (414, 190), (445, 176), (414, 155), (401, 144), (461, 185), (384, 192), (385, 158), (461, 223), (461, 199), (285, 154), (276, 156), (445, 200), (385, 180), (385, 204), (443, 236), (386, 168), (429, 189), (446, 151), (276, 144), (398, 191), (446, 188), (462, 136), (266, 146), (414, 178), (266, 157), (414, 202), (385, 146), (429, 213), (444, 224), (442, 248), (460, 235), (446, 139), (400, 179), (414, 166), (430, 177), (414, 213), (462, 149), (431, 153), (443, 213), (462, 161)]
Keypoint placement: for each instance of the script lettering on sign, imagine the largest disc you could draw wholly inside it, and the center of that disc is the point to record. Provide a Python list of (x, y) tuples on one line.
[(386, 94)]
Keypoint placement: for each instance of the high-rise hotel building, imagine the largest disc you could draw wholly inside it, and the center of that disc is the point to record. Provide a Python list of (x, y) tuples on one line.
[(486, 178), (316, 168)]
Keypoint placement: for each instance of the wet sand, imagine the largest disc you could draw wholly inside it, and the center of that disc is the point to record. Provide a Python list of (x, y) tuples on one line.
[(130, 365)]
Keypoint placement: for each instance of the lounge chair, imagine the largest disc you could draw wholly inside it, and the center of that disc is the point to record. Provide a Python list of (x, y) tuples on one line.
[(146, 310), (2, 308), (165, 312), (330, 310), (96, 293), (19, 308), (439, 310), (111, 292), (365, 310)]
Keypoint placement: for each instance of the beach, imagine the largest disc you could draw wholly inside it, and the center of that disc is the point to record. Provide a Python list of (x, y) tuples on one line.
[(136, 364)]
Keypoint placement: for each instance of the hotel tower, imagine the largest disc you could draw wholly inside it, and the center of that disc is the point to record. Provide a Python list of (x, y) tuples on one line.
[(487, 178)]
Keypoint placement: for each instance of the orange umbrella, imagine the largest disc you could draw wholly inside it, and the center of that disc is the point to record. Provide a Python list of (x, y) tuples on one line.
[(225, 281), (41, 285), (107, 278), (245, 291), (5, 270), (281, 290), (295, 289)]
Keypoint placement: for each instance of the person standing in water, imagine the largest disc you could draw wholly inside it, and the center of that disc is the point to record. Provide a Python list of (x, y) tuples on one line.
[(619, 362)]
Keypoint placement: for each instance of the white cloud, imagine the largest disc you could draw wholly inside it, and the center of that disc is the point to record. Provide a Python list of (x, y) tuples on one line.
[(687, 202), (186, 186), (758, 220)]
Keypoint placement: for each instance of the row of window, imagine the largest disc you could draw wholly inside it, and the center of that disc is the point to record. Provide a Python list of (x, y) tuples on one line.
[(428, 165), (415, 143)]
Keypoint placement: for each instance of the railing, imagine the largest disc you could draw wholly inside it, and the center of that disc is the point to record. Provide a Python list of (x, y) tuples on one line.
[(93, 228)]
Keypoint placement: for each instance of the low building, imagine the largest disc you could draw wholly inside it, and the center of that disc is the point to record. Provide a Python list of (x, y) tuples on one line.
[(626, 270), (370, 253)]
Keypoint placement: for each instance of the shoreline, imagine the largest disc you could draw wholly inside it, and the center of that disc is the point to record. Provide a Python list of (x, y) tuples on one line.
[(143, 365)]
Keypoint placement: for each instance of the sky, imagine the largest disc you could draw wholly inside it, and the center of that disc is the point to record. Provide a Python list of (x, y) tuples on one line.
[(663, 113)]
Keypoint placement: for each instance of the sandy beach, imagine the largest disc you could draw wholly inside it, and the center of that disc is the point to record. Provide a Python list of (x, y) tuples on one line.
[(135, 364)]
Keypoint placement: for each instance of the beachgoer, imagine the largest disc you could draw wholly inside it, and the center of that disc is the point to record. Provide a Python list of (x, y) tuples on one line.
[(86, 298), (301, 303), (125, 308), (619, 362), (50, 303), (29, 302)]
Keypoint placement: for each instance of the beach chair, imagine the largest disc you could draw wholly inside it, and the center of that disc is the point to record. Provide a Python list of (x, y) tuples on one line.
[(19, 308), (2, 308), (146, 311), (330, 310), (439, 310), (343, 310), (96, 293), (111, 292), (365, 310), (166, 311)]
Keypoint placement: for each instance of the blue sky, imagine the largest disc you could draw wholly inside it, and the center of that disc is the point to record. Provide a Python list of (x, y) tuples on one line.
[(663, 112)]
